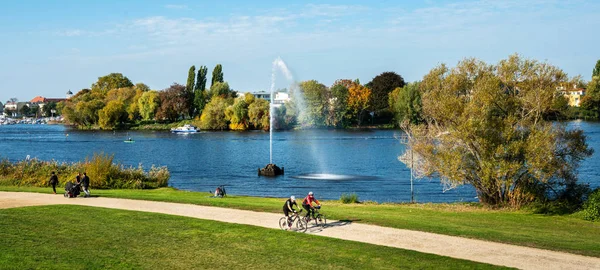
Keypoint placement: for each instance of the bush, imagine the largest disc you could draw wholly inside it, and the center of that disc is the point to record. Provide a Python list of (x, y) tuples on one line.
[(349, 198), (103, 173), (591, 208)]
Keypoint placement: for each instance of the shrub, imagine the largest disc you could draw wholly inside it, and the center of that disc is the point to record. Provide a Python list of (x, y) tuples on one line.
[(591, 208), (349, 198)]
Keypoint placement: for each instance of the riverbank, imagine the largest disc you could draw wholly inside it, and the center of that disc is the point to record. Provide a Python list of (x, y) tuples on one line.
[(568, 233)]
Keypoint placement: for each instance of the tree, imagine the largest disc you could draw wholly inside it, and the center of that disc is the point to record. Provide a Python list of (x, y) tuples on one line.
[(358, 100), (189, 90), (405, 103), (237, 115), (48, 108), (217, 75), (141, 87), (112, 115), (316, 100), (258, 114), (200, 91), (111, 81), (485, 127), (596, 71), (338, 105), (221, 89), (147, 104), (173, 103), (213, 117), (381, 86), (25, 110)]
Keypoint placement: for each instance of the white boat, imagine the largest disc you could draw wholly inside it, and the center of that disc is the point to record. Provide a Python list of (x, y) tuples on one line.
[(185, 129)]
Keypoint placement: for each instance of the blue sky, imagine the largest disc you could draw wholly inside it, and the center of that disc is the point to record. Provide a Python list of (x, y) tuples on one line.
[(49, 47)]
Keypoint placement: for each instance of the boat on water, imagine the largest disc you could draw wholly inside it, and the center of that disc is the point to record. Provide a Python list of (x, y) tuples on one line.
[(130, 140), (185, 129)]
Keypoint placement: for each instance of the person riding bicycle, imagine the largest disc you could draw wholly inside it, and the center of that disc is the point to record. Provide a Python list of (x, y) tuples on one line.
[(289, 207), (307, 204)]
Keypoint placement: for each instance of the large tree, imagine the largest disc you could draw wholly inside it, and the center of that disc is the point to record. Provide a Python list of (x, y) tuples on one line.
[(213, 117), (405, 103), (381, 86), (237, 115), (173, 103), (358, 100), (258, 114), (217, 75), (485, 127), (112, 115), (111, 81), (596, 71), (200, 91), (189, 90), (147, 105), (221, 89), (316, 98), (338, 106)]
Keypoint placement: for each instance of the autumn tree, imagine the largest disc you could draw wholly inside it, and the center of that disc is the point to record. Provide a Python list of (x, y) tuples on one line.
[(338, 105), (358, 100), (405, 103), (258, 114), (148, 104), (111, 81), (221, 89), (381, 86), (173, 103), (112, 115), (237, 115), (213, 117), (485, 127)]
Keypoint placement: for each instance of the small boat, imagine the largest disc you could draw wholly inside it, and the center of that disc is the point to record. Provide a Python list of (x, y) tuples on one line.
[(130, 140), (185, 129)]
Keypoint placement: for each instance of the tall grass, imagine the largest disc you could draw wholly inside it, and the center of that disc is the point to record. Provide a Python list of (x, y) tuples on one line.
[(349, 198), (100, 168)]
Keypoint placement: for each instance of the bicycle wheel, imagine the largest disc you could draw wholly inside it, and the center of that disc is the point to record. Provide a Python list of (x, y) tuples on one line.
[(301, 225), (283, 223), (320, 220)]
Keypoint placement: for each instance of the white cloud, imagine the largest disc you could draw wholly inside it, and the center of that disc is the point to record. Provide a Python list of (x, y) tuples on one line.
[(70, 33)]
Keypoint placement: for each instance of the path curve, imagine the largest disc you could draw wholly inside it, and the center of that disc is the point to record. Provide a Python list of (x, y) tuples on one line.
[(451, 246)]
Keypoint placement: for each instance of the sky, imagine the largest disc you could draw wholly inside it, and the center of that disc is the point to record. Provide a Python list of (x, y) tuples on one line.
[(50, 47)]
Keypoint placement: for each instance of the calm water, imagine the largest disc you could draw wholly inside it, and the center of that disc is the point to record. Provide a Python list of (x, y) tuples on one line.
[(363, 162)]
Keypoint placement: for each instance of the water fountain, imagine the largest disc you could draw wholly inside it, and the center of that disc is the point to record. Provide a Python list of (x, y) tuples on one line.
[(271, 169)]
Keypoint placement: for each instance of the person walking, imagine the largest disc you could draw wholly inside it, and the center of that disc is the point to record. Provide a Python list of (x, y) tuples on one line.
[(85, 183), (53, 181)]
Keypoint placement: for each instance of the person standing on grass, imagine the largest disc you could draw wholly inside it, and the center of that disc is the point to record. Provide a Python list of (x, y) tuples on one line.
[(85, 183), (53, 181)]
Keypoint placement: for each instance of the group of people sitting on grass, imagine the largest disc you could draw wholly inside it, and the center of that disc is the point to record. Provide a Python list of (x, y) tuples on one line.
[(307, 204)]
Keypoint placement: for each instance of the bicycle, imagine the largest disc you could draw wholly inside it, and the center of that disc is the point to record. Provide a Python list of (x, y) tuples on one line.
[(318, 218), (295, 218)]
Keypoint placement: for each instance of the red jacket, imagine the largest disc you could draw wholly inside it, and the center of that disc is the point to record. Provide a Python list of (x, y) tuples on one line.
[(309, 200)]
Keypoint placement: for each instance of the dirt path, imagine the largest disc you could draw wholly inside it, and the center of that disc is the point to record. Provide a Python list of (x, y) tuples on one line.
[(456, 247)]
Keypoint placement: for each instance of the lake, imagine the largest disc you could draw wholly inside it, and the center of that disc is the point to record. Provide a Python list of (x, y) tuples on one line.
[(361, 162)]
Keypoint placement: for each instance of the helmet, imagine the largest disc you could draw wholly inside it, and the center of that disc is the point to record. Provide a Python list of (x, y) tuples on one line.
[(310, 193), (293, 198)]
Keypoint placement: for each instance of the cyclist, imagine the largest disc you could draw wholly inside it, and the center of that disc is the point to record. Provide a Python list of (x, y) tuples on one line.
[(307, 205), (289, 207)]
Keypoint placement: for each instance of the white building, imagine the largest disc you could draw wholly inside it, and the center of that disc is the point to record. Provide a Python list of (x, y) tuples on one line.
[(280, 97)]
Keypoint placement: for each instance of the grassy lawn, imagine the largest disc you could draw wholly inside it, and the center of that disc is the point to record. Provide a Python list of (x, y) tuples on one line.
[(80, 237), (567, 233)]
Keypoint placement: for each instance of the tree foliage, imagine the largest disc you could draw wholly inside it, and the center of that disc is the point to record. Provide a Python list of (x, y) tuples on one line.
[(111, 81), (200, 95), (485, 127), (173, 103), (221, 89), (358, 100), (217, 75), (381, 86), (258, 114), (112, 115), (237, 115), (189, 91), (316, 101), (213, 117), (405, 103), (338, 106), (596, 71), (147, 104)]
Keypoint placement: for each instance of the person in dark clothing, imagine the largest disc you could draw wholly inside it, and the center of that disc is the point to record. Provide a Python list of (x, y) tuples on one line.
[(289, 207), (85, 183), (53, 181)]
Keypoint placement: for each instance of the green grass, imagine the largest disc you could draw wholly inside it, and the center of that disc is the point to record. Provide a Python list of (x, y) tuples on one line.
[(80, 237), (569, 233)]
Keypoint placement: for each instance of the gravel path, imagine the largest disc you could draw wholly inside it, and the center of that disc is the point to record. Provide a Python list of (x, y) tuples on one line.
[(451, 246)]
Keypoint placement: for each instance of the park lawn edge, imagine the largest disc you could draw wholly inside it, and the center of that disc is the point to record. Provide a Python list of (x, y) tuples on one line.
[(567, 233)]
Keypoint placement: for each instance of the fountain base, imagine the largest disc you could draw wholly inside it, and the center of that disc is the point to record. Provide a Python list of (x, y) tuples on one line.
[(270, 170)]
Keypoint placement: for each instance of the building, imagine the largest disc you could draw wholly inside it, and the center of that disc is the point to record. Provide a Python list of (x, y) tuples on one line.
[(573, 95), (280, 97)]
